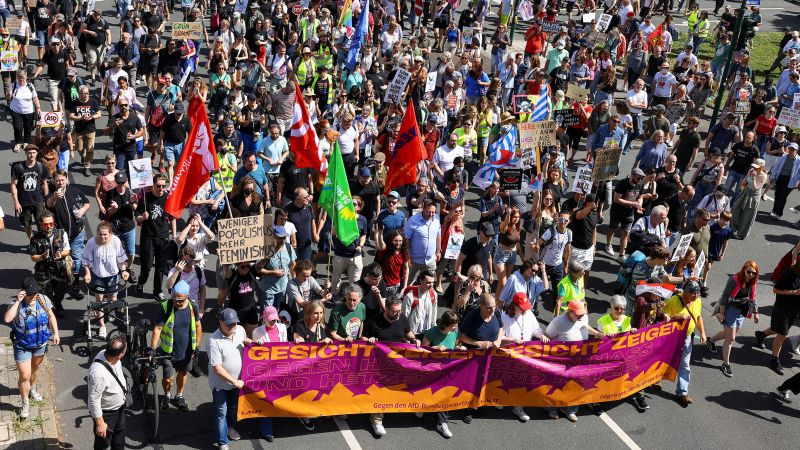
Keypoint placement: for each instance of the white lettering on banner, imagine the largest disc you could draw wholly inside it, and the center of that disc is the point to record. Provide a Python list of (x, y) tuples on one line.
[(394, 93)]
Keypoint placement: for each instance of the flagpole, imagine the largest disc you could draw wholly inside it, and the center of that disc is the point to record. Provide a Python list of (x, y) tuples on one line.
[(225, 193)]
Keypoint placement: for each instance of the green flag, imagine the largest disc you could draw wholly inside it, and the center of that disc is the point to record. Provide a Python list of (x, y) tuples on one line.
[(335, 199)]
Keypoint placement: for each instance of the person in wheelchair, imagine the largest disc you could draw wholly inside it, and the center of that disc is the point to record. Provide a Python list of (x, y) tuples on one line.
[(177, 332), (49, 249), (104, 263)]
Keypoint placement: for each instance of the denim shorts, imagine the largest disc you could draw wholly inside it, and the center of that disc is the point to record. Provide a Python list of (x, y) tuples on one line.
[(41, 37), (172, 151), (103, 282), (504, 256), (25, 354), (733, 317)]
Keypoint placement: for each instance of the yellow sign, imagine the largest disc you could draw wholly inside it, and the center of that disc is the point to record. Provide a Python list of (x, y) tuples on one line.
[(187, 30)]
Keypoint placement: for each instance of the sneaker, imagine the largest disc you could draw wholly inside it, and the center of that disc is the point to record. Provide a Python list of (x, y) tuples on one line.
[(520, 413), (164, 404), (180, 403), (25, 410), (101, 332), (160, 297), (132, 279), (784, 396), (775, 365), (760, 336), (467, 419), (35, 395), (418, 414), (444, 430), (224, 447), (610, 251), (552, 413), (774, 216), (640, 402), (726, 370), (377, 427), (570, 416), (712, 347), (233, 434), (17, 148), (306, 423)]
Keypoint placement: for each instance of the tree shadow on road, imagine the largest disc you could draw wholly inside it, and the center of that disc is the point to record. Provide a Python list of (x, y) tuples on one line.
[(755, 404)]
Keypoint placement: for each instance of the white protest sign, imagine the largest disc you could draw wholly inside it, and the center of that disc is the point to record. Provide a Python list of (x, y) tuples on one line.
[(466, 35), (9, 61), (430, 82), (603, 23), (454, 244), (394, 93), (683, 247), (51, 119), (583, 180), (700, 263), (796, 101), (790, 117), (141, 171), (240, 239), (587, 17), (525, 10)]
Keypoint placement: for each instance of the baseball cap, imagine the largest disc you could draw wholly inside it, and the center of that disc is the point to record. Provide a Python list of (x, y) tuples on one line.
[(793, 145), (730, 115), (229, 317), (419, 58), (720, 188), (72, 71), (380, 157), (30, 286), (433, 118), (55, 40), (279, 231), (394, 194), (181, 289), (250, 96), (487, 229), (237, 14), (758, 163), (365, 172), (577, 307), (270, 314), (560, 45), (179, 108), (688, 46), (661, 108), (119, 177), (691, 287), (715, 151), (521, 300), (228, 123), (638, 172)]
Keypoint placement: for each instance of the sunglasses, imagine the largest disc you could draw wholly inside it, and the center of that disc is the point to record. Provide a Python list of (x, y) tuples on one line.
[(162, 186), (750, 272), (475, 277), (48, 225)]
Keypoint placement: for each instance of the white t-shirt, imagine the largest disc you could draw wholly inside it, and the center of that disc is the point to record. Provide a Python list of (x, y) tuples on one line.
[(102, 260), (347, 140), (684, 55), (554, 252), (563, 329), (663, 84), (22, 99), (636, 99), (444, 157), (623, 14), (644, 224), (524, 326)]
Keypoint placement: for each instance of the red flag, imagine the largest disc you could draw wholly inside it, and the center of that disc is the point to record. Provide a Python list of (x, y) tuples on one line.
[(199, 158), (303, 141), (656, 37), (408, 152)]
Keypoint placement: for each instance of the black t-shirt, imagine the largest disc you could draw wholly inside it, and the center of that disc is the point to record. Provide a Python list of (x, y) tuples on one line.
[(152, 20), (56, 64), (181, 329), (379, 328), (368, 194), (667, 187), (98, 26), (43, 16), (349, 251), (677, 211), (473, 253), (122, 220), (29, 182), (688, 141), (321, 89), (294, 178), (559, 78), (476, 328), (132, 125), (583, 230), (242, 290), (70, 90), (628, 192), (309, 336), (743, 157), (157, 225), (64, 211), (175, 131), (370, 300), (787, 282), (301, 218), (88, 108), (149, 41), (255, 115)]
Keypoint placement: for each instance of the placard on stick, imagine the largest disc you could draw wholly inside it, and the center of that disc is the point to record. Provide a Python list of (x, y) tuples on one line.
[(551, 27), (394, 93), (606, 164), (141, 171), (682, 247), (241, 239), (510, 179), (583, 180), (537, 134), (741, 107), (576, 92)]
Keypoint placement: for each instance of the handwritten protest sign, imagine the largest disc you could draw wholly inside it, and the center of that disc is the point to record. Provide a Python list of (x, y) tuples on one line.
[(51, 119), (603, 22), (583, 180), (576, 92), (270, 244), (454, 243), (187, 30), (606, 164), (13, 24), (551, 27), (241, 239), (790, 117), (682, 247), (9, 61), (537, 134), (394, 93), (141, 171)]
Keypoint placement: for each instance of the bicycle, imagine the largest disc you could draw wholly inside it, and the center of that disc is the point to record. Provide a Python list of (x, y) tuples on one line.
[(143, 366)]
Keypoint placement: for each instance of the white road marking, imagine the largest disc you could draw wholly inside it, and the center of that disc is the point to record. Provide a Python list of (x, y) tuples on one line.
[(619, 432), (348, 435)]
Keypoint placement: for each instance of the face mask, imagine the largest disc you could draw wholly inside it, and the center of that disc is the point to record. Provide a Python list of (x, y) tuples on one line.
[(248, 191), (665, 71)]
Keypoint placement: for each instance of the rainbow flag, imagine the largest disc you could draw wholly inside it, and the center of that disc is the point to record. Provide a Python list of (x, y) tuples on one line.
[(346, 16)]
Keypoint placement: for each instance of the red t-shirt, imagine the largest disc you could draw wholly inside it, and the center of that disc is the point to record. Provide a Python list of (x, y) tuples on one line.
[(765, 126), (582, 123), (392, 267)]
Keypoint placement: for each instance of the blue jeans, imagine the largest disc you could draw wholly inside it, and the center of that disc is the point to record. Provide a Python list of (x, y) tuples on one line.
[(638, 127), (128, 239), (700, 191), (761, 144), (684, 368), (225, 411), (76, 249), (732, 184)]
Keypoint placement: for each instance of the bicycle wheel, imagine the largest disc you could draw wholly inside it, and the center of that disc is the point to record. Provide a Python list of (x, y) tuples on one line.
[(151, 410)]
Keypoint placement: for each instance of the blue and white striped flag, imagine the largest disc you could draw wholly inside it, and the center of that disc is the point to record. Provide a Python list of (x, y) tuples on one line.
[(541, 111), (500, 154)]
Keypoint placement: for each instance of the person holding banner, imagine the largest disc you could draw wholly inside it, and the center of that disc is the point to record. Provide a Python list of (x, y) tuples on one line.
[(224, 367), (156, 228), (686, 305)]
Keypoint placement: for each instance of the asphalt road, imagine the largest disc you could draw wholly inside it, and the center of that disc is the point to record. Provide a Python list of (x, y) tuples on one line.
[(727, 413)]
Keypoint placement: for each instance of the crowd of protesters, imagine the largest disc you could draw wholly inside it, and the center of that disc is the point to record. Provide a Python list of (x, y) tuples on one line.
[(637, 84)]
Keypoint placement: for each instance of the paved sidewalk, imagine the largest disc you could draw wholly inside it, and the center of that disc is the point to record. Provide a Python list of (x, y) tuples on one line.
[(42, 428)]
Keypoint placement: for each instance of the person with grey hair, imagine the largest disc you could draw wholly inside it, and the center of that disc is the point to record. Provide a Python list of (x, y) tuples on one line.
[(656, 223), (652, 153), (347, 318)]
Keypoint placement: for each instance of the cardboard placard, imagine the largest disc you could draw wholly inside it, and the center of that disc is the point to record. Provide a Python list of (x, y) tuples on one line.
[(790, 117), (394, 93), (13, 24), (537, 134), (606, 164), (141, 173), (51, 119), (510, 179), (466, 35), (597, 38), (430, 81), (565, 117), (741, 107), (9, 61), (241, 239), (551, 27), (602, 23), (187, 30), (270, 247), (699, 265), (523, 104), (576, 92), (454, 243), (583, 180), (682, 247)]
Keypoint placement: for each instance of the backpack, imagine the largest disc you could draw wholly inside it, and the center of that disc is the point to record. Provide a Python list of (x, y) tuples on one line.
[(625, 272), (643, 240), (158, 113)]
